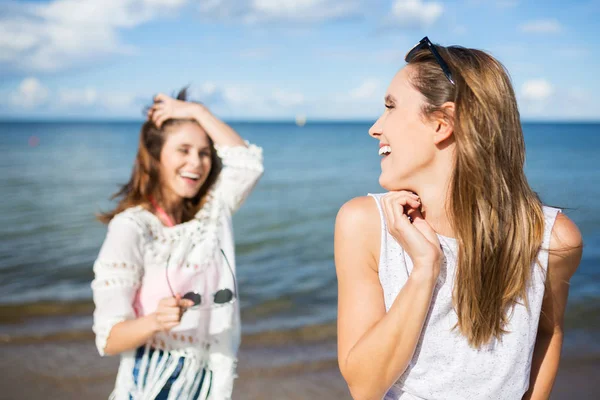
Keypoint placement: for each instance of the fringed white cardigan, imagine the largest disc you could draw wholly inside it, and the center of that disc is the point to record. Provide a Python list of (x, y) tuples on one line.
[(130, 279)]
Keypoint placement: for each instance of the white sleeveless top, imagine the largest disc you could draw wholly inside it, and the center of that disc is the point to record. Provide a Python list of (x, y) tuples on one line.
[(444, 366)]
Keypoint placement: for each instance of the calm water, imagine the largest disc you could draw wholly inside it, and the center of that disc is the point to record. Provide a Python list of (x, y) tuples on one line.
[(284, 233)]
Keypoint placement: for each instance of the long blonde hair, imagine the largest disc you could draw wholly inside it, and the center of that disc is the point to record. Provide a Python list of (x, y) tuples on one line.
[(496, 216)]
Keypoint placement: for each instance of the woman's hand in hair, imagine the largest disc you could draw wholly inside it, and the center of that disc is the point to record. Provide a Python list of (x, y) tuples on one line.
[(406, 224), (169, 311), (166, 107)]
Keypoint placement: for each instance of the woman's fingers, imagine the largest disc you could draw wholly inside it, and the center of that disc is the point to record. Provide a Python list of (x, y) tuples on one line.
[(424, 227), (185, 303), (400, 211), (170, 325), (159, 118), (170, 317), (406, 233), (168, 302), (160, 97), (387, 212), (406, 224), (396, 206)]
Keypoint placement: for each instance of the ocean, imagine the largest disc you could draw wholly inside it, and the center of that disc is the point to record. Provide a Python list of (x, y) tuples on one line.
[(54, 176)]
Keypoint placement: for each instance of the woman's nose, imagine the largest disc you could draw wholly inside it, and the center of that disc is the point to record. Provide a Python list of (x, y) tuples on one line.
[(375, 130), (195, 160)]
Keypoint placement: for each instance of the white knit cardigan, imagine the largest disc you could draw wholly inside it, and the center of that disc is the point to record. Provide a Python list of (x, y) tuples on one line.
[(130, 279)]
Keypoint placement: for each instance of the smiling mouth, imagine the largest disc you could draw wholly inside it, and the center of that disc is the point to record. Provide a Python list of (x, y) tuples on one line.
[(385, 150), (189, 175)]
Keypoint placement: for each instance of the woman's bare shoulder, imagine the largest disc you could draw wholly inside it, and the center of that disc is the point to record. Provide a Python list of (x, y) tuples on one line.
[(359, 213), (357, 229), (566, 246)]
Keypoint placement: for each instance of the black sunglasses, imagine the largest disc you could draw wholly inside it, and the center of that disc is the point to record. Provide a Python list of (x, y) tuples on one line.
[(220, 297), (425, 43)]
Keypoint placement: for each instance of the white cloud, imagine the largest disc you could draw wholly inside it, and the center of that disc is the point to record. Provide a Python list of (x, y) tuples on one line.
[(537, 90), (30, 94), (415, 13), (370, 89), (570, 103), (287, 99), (56, 35), (542, 26), (363, 101), (579, 103), (77, 97), (248, 97), (33, 95), (255, 11), (120, 101)]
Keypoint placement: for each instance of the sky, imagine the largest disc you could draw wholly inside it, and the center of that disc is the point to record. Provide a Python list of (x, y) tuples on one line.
[(277, 59)]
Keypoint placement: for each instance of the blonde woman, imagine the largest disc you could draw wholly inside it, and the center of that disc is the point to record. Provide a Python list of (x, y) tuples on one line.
[(453, 284), (165, 288)]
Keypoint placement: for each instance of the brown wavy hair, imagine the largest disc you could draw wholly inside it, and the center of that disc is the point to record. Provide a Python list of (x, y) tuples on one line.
[(496, 216), (145, 177)]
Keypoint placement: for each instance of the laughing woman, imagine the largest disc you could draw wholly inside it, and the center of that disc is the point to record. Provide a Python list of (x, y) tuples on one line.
[(452, 285), (165, 288)]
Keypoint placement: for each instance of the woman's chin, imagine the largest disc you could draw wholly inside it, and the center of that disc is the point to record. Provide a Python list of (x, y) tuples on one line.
[(191, 195), (385, 182), (390, 184)]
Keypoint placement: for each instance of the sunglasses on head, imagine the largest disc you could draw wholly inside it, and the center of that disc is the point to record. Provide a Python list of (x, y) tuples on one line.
[(425, 43), (220, 297)]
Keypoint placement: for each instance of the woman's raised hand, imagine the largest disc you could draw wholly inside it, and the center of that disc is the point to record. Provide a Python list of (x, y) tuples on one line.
[(169, 311), (406, 224), (166, 107)]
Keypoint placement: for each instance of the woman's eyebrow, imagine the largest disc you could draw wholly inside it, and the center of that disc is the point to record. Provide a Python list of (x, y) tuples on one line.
[(188, 145)]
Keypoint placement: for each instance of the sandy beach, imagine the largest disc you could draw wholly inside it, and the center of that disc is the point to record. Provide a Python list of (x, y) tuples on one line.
[(71, 369)]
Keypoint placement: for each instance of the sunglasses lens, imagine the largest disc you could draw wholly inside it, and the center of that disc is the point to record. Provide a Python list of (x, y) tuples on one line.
[(195, 297), (223, 296)]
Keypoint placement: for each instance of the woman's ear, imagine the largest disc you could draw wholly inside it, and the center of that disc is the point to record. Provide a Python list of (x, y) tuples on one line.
[(443, 122)]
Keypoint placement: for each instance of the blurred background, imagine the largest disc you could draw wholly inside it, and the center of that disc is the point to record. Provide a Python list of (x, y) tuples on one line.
[(304, 80)]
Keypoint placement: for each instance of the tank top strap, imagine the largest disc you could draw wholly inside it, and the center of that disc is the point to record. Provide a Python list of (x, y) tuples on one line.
[(378, 197), (550, 214), (384, 234)]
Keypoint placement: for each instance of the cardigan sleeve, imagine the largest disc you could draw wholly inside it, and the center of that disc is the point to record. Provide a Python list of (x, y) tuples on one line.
[(242, 168), (118, 271)]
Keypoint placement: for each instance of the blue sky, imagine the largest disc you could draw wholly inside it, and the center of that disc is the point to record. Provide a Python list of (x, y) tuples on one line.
[(275, 59)]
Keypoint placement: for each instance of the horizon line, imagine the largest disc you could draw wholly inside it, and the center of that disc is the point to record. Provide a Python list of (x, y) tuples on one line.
[(264, 120)]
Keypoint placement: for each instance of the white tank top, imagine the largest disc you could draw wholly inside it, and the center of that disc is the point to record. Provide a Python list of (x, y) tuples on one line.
[(444, 366)]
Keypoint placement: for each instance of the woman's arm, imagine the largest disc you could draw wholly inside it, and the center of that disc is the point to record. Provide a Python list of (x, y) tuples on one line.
[(565, 255), (220, 132), (131, 334), (166, 107), (118, 273), (375, 347)]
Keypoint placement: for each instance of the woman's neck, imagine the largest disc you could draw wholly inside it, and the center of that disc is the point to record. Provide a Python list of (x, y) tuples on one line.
[(435, 195), (434, 202), (172, 206)]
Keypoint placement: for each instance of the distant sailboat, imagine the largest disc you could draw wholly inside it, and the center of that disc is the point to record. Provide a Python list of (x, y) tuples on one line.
[(300, 120)]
